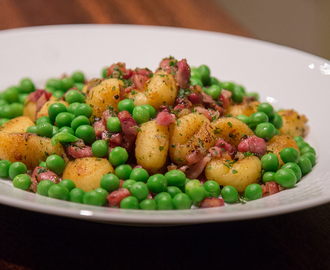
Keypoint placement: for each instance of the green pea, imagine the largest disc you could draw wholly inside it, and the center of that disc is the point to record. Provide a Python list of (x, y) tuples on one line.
[(126, 105), (245, 119), (26, 85), (148, 204), (255, 95), (63, 137), (214, 91), (22, 181), (295, 168), (93, 197), (195, 191), (53, 83), (228, 86), (55, 163), (194, 72), (157, 183), (195, 81), (64, 119), (175, 178), (164, 201), (266, 108), (66, 129), (4, 168), (141, 114), (32, 129), (298, 139), (265, 130), (73, 106), (229, 194), (45, 130), (311, 157), (302, 144), (17, 109), (305, 165), (7, 111), (289, 154), (114, 125), (118, 156), (54, 131), (139, 190), (258, 118), (109, 182), (54, 109), (238, 94), (10, 95), (68, 183), (151, 110), (66, 83), (276, 120), (214, 80), (76, 195), (22, 98), (83, 109), (286, 178), (172, 190), (78, 76), (183, 187), (129, 202), (104, 194), (79, 121), (43, 187), (86, 133), (269, 162), (43, 119), (58, 93), (123, 171), (74, 96), (253, 192), (181, 201), (80, 86), (3, 120), (307, 149), (16, 168), (58, 192), (205, 72), (100, 148), (42, 164), (139, 175), (269, 176), (212, 188), (128, 183)]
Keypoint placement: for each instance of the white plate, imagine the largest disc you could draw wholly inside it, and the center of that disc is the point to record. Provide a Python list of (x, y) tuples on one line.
[(287, 77)]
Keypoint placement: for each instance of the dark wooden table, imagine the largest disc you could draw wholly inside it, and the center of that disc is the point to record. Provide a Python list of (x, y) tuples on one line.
[(30, 240)]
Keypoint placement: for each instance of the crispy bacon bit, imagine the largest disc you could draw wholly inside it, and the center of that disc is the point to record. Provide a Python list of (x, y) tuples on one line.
[(115, 69), (195, 98), (41, 173), (270, 188), (194, 157), (99, 128), (204, 111), (212, 202), (115, 140), (226, 146), (165, 118), (195, 170), (115, 197), (77, 152), (253, 144), (182, 76), (129, 128), (208, 102), (224, 98)]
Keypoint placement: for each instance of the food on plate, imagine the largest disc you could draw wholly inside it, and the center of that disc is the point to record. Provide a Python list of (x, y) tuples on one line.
[(175, 138)]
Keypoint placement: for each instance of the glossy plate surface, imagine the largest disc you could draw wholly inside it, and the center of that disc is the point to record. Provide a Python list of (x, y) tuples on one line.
[(286, 77)]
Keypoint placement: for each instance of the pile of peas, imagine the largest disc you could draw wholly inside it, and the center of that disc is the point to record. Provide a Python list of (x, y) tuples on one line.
[(173, 190), (212, 86)]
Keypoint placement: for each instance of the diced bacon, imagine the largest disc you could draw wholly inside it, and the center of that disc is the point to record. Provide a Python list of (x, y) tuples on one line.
[(272, 187), (216, 151), (34, 96), (99, 128), (224, 99), (113, 69), (164, 108), (253, 144), (121, 182), (115, 140), (165, 65), (115, 197), (226, 146), (106, 115), (142, 71), (182, 76), (208, 102), (195, 170), (139, 81), (195, 98), (194, 157), (41, 173), (202, 179), (34, 184), (204, 111), (78, 152), (212, 202), (128, 124), (165, 119)]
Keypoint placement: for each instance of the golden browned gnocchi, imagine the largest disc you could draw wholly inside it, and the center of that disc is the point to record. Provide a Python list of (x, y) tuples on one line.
[(294, 124), (191, 133), (159, 90), (247, 109), (17, 125), (239, 174), (152, 143)]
